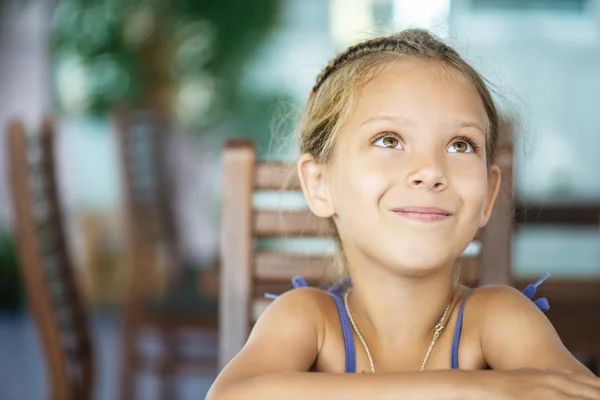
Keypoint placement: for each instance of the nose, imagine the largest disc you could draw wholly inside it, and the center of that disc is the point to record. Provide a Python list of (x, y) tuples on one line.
[(428, 173)]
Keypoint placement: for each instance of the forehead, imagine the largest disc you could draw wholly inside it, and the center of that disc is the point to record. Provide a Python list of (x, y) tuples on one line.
[(418, 90)]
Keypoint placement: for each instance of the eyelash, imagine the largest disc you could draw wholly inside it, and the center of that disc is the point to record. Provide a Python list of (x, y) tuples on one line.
[(469, 141), (385, 134), (465, 139)]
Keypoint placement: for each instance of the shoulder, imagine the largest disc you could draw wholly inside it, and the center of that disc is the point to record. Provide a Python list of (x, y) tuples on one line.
[(499, 299), (304, 300), (514, 333), (304, 308), (500, 308)]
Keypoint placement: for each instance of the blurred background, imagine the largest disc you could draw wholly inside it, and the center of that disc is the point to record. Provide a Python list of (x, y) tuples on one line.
[(209, 71)]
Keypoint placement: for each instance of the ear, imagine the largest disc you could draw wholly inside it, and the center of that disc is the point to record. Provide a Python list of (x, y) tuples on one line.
[(314, 185), (494, 179)]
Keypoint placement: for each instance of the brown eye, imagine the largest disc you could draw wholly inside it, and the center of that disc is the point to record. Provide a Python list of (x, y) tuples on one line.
[(460, 147), (389, 141)]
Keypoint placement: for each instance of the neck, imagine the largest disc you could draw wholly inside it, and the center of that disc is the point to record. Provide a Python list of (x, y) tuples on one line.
[(393, 308)]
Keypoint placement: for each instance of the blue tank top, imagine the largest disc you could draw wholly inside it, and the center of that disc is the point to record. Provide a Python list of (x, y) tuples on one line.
[(337, 291)]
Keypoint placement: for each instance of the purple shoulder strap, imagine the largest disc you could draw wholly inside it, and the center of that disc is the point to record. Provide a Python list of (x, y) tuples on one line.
[(529, 291), (336, 292)]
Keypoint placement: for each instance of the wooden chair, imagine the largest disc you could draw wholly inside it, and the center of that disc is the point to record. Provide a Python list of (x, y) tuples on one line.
[(247, 272), (48, 274), (157, 266)]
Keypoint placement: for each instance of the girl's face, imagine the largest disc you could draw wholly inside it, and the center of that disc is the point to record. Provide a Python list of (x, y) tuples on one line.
[(408, 185)]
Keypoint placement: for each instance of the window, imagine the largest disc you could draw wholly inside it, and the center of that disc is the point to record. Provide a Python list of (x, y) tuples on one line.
[(538, 5)]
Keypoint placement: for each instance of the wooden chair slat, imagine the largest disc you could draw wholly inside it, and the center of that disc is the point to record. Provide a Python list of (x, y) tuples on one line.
[(497, 257), (277, 266), (274, 224), (277, 176), (236, 249)]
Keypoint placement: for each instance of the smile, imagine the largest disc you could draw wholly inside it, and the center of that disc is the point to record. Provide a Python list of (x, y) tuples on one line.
[(423, 214)]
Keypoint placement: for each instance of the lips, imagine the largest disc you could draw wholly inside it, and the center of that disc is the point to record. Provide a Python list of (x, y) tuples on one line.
[(424, 214)]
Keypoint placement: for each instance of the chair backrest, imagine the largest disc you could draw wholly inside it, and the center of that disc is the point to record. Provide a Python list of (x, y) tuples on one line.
[(48, 274), (247, 270), (143, 139)]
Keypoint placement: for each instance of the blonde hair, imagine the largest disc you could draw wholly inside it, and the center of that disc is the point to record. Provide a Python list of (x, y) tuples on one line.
[(335, 91)]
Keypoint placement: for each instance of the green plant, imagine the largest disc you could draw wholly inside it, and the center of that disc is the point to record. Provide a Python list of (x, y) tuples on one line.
[(181, 55), (11, 291)]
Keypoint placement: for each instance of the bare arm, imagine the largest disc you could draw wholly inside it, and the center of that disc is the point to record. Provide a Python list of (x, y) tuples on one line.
[(442, 385), (515, 334), (285, 343)]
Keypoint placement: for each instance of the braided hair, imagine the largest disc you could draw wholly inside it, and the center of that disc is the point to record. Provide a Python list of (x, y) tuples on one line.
[(411, 43)]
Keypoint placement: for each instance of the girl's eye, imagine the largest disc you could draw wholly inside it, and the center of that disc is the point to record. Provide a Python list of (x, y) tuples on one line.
[(389, 141), (461, 146)]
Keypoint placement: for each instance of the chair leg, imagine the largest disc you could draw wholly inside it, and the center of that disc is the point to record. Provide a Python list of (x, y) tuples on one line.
[(128, 364), (167, 383)]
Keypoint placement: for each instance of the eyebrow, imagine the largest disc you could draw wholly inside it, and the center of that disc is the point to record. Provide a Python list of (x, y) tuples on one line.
[(473, 125), (390, 118), (411, 122)]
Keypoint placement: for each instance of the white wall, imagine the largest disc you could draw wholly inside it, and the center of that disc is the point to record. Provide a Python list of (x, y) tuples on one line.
[(24, 74)]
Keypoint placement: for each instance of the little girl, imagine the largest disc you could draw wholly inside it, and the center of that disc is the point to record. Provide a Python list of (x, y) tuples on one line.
[(398, 138)]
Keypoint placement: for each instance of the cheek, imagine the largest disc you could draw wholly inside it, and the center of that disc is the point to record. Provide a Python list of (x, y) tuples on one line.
[(471, 184), (361, 183)]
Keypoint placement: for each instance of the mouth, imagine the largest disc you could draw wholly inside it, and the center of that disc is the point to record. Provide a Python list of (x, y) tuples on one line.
[(423, 214)]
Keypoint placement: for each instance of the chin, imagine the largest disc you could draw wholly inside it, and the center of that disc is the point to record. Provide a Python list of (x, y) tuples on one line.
[(417, 268), (423, 253), (419, 260)]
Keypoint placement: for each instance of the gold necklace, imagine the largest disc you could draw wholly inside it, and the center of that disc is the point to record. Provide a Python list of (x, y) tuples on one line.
[(438, 329)]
